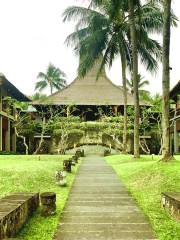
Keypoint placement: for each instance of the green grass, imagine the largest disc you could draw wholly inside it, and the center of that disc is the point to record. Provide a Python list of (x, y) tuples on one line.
[(146, 179), (33, 174)]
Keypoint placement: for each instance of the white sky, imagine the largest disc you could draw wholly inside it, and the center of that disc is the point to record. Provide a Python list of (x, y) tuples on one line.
[(32, 35)]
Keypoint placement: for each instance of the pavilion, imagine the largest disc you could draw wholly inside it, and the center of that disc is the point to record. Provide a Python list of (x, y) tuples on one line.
[(88, 94), (175, 117)]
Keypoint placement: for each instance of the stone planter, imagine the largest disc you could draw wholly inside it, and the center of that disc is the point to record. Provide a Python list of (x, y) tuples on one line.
[(67, 165), (48, 203), (75, 158), (80, 153), (107, 152)]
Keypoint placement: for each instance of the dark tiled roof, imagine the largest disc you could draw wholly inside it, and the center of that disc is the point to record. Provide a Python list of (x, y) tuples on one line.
[(175, 90), (12, 90)]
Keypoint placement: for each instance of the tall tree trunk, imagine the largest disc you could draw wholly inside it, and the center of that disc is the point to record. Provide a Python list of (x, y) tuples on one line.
[(51, 88), (166, 154), (123, 66), (135, 77)]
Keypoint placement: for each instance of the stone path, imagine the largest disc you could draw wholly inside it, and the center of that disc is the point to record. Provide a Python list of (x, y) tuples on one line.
[(100, 207)]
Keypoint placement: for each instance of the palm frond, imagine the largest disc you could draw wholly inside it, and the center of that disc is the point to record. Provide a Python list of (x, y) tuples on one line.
[(42, 75), (40, 85), (143, 83)]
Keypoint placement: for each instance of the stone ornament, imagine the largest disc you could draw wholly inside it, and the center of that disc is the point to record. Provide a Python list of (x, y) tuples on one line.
[(60, 177)]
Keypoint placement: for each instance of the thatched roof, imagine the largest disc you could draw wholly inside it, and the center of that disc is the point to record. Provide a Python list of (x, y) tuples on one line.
[(89, 91), (12, 91)]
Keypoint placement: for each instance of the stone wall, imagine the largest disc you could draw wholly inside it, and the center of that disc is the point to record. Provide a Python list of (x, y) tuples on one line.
[(14, 212), (93, 138)]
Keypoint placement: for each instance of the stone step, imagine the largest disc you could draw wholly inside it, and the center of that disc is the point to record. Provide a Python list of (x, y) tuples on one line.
[(96, 187), (101, 200), (100, 203), (97, 184), (103, 209), (104, 235), (100, 196), (118, 214), (130, 218), (97, 227), (98, 191), (97, 178)]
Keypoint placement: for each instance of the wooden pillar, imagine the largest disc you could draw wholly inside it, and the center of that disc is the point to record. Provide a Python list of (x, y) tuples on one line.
[(175, 137), (116, 110), (8, 136), (1, 133), (14, 142), (68, 111)]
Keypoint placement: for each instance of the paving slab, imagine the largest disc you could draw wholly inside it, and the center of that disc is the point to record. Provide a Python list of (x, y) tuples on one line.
[(100, 207)]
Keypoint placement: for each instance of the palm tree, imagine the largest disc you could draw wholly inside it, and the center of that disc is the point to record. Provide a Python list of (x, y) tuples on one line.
[(134, 44), (166, 82), (144, 95), (53, 78), (141, 83), (106, 30)]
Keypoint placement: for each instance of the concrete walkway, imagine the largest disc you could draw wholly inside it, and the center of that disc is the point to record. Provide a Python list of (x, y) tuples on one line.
[(100, 207)]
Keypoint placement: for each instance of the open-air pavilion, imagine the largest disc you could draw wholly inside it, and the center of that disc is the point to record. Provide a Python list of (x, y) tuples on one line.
[(89, 94)]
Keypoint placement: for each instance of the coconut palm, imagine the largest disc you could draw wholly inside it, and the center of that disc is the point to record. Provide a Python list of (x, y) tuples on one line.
[(141, 83), (105, 29), (134, 46), (53, 78), (143, 94), (166, 82)]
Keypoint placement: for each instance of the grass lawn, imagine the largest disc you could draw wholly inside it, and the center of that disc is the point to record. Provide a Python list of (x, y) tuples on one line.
[(19, 173), (146, 179)]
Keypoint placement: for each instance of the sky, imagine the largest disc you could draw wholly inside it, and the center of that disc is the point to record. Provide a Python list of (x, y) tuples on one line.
[(32, 35)]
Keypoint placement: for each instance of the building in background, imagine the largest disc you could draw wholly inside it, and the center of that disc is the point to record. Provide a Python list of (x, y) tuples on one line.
[(8, 114), (175, 118), (89, 95)]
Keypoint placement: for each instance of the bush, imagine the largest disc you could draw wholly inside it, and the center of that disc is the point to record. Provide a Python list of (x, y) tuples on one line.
[(7, 153), (118, 119)]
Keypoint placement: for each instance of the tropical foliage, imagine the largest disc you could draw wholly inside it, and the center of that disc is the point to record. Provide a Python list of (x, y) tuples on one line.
[(105, 29), (38, 96)]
